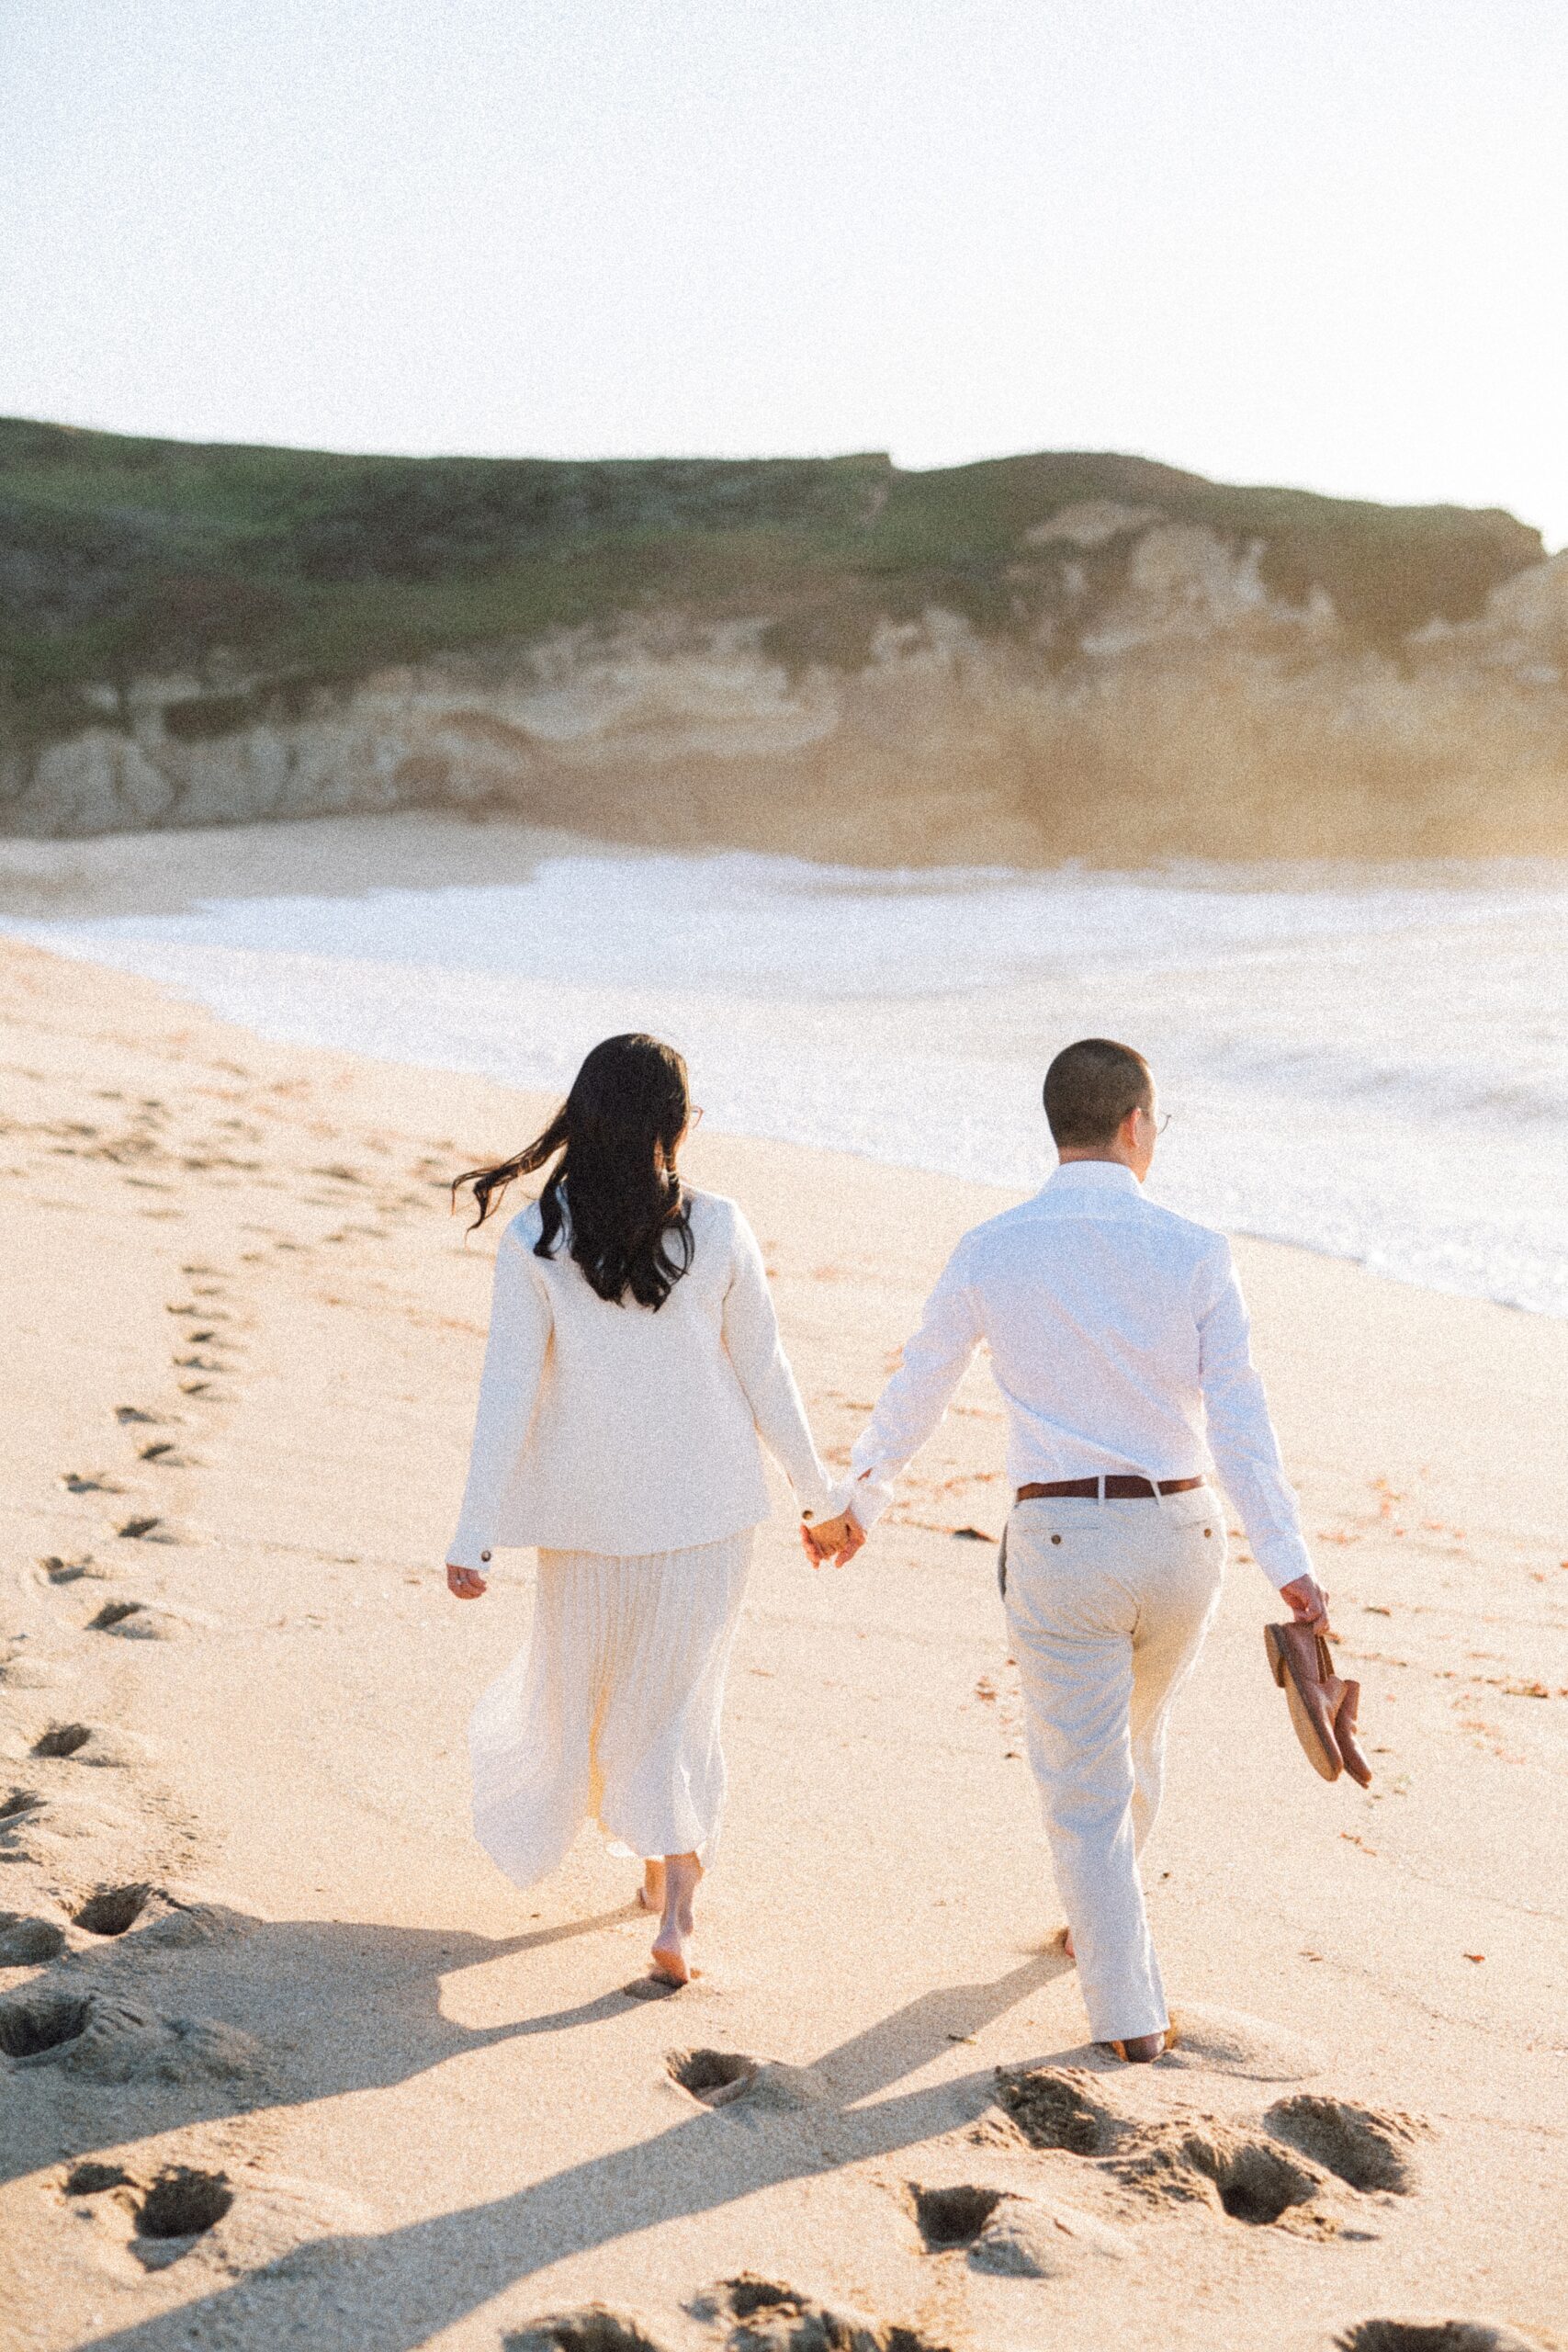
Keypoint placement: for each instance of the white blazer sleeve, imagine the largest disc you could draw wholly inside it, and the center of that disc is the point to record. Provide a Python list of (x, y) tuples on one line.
[(752, 1341), (516, 1354)]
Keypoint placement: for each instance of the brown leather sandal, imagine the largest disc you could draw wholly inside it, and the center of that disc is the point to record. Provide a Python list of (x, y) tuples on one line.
[(1345, 1738), (1300, 1662)]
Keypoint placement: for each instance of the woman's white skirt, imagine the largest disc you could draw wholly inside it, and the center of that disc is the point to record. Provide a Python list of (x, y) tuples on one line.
[(611, 1711)]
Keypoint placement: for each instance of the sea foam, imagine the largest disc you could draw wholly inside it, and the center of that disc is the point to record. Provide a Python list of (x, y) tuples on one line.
[(1378, 1069)]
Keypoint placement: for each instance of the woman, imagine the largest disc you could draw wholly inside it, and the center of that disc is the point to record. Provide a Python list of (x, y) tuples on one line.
[(633, 1359)]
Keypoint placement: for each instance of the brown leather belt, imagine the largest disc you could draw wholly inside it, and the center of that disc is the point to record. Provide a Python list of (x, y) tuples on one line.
[(1120, 1487)]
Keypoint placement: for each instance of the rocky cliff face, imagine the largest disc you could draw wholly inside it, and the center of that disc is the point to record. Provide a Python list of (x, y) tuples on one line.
[(1137, 683)]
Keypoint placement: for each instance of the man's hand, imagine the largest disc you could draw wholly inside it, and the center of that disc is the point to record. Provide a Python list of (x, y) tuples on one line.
[(832, 1539), (465, 1584), (1308, 1601)]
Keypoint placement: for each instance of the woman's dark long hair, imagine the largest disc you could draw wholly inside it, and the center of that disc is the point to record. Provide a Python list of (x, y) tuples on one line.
[(615, 1190)]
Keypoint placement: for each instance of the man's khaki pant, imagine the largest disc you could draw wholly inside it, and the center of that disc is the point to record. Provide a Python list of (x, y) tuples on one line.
[(1108, 1604)]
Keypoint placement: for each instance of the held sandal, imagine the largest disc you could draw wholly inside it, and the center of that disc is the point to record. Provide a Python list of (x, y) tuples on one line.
[(1322, 1708)]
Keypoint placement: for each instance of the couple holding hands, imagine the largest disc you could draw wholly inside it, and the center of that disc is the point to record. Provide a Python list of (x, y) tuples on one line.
[(633, 1362)]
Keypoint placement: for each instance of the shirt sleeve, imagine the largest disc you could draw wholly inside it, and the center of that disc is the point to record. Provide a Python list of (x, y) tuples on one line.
[(515, 1355), (917, 1397), (753, 1342), (1241, 1435)]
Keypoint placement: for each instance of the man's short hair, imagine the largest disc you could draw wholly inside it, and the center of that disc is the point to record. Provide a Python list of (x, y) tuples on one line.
[(1090, 1087)]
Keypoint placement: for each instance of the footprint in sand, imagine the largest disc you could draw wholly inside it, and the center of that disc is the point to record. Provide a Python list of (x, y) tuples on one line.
[(113, 1910), (1276, 2175), (182, 2204), (1058, 2107), (161, 1918), (38, 1826), (756, 2315), (20, 1672), (145, 1621), (1434, 2335), (90, 1482), (26, 1940), (595, 2328), (764, 2315), (92, 1743), (1249, 2178), (125, 1413), (715, 2077), (146, 1527), (1367, 2147), (61, 1571), (240, 2221), (1010, 2236), (719, 2077), (952, 2217), (106, 2038)]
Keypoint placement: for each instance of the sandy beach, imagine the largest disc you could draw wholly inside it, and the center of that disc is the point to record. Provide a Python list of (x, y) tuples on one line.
[(287, 2062)]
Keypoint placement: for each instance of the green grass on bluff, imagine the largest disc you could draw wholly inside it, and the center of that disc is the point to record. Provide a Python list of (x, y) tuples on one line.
[(120, 558)]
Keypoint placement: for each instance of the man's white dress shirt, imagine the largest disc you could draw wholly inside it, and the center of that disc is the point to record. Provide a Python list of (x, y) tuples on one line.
[(1118, 1340)]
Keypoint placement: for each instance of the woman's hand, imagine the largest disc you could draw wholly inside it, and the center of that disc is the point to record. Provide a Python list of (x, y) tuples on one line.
[(465, 1584)]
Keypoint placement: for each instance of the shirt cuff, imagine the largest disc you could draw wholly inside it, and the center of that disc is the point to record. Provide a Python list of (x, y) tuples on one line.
[(867, 1496), (464, 1552), (1282, 1557), (814, 1493)]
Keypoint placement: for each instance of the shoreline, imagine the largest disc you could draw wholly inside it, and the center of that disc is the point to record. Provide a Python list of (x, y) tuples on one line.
[(422, 980), (163, 872)]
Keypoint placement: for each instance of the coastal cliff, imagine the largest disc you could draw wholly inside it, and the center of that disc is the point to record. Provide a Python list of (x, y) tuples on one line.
[(1036, 658)]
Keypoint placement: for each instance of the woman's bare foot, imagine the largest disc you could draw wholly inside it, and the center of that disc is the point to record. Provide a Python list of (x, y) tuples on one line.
[(650, 1894), (1067, 1943), (672, 1944)]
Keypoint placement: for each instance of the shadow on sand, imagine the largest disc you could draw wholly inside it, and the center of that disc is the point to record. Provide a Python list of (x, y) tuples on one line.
[(389, 2292)]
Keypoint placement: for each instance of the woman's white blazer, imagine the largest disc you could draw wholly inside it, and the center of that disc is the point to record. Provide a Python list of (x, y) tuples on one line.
[(619, 1428)]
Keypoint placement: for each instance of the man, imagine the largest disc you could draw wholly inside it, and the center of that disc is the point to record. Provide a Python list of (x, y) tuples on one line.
[(1119, 1340)]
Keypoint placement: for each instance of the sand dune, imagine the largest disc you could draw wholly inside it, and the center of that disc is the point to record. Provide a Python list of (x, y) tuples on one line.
[(285, 2062)]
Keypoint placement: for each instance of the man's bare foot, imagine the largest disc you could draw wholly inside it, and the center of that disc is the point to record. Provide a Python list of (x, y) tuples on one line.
[(650, 1894), (672, 1944), (1143, 2048)]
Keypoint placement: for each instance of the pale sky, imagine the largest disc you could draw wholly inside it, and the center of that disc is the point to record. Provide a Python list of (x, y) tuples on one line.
[(1317, 241)]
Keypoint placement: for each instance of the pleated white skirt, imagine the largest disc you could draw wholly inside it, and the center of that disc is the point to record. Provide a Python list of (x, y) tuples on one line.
[(611, 1712)]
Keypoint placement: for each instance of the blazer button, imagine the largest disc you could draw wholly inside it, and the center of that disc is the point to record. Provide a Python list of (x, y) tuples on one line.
[(484, 1555), (1055, 1539)]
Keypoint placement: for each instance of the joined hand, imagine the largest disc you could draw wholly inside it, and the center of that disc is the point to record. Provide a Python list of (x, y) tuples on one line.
[(832, 1539), (465, 1584)]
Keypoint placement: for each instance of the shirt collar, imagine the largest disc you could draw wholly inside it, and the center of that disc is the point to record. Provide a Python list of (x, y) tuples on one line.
[(1092, 1175)]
